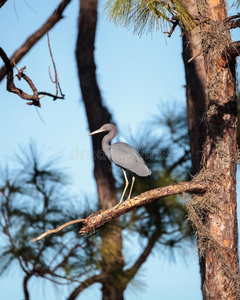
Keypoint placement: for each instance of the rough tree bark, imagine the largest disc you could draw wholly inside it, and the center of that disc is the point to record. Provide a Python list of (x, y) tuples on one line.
[(196, 93), (97, 115), (196, 96), (219, 263)]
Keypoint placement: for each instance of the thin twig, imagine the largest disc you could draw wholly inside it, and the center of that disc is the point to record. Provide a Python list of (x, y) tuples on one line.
[(51, 95), (175, 22), (56, 81), (51, 231)]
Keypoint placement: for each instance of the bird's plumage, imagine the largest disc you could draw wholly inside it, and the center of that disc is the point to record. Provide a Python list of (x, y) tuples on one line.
[(122, 155), (126, 157)]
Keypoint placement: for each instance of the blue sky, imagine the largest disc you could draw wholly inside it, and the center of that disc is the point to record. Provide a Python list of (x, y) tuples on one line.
[(135, 75)]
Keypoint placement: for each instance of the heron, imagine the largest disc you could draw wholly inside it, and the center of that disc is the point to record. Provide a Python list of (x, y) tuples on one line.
[(123, 156)]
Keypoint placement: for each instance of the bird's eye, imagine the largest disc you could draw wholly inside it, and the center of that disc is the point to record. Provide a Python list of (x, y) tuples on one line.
[(103, 128)]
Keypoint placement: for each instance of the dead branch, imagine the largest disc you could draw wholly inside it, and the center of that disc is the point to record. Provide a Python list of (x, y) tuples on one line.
[(101, 217), (10, 81), (233, 50), (232, 21), (175, 23), (53, 96), (11, 87), (35, 37)]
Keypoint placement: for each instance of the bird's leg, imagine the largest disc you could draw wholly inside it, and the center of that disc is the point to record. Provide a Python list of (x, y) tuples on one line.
[(130, 193), (125, 188)]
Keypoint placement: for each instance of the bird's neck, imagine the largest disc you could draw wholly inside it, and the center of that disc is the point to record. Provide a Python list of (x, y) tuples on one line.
[(106, 142), (106, 147)]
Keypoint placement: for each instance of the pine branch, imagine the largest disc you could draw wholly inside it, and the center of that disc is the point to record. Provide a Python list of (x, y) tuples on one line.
[(35, 37), (101, 217), (132, 271), (85, 284), (149, 14)]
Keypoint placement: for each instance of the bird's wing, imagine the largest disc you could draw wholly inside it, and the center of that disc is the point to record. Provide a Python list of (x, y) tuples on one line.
[(124, 156)]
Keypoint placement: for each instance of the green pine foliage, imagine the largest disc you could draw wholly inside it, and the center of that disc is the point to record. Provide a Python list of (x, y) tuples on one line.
[(35, 197), (147, 15)]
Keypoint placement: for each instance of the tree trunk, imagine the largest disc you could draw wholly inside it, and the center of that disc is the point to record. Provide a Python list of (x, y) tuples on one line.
[(196, 94), (111, 292), (196, 97), (219, 261), (97, 115)]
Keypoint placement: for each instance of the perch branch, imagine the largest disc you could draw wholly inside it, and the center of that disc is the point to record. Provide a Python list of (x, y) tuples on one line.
[(35, 37), (101, 217)]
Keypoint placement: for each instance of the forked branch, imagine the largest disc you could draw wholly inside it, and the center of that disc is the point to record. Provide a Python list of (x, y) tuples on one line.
[(99, 218), (11, 87)]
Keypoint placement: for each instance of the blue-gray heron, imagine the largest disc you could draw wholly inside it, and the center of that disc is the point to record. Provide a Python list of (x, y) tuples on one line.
[(123, 156)]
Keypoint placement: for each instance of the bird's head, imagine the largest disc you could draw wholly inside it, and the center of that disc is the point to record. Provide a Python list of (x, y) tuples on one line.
[(105, 127)]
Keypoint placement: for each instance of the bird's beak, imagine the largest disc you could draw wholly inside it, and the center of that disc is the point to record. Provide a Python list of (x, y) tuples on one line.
[(96, 131)]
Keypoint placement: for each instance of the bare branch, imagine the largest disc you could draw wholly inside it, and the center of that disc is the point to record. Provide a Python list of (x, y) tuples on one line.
[(85, 284), (175, 23), (53, 96), (35, 37), (13, 89), (10, 81), (51, 231), (233, 21)]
